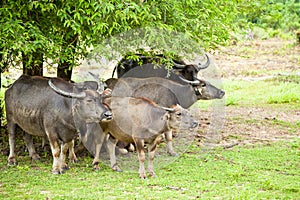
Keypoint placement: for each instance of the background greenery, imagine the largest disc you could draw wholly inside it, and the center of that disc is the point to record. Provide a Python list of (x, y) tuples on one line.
[(62, 31)]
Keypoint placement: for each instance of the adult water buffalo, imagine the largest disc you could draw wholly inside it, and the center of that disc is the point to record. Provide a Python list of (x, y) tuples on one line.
[(52, 108), (128, 67), (165, 93), (141, 121)]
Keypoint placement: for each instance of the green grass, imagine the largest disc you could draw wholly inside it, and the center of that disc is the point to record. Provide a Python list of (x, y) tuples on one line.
[(260, 172), (242, 92), (281, 90)]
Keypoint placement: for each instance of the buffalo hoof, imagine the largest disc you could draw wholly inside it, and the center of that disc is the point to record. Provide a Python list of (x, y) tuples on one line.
[(65, 168), (116, 168), (152, 174), (12, 163), (143, 176), (96, 168), (57, 171)]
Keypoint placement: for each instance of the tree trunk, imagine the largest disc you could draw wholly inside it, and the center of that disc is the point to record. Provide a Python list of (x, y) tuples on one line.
[(64, 69), (33, 66)]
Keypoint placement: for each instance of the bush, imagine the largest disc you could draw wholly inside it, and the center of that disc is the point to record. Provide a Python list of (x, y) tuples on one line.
[(270, 15)]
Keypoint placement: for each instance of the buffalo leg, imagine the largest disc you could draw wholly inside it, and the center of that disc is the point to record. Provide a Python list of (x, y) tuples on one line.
[(151, 155), (97, 153), (29, 143), (64, 148), (93, 139), (12, 140), (96, 158), (72, 155), (56, 167), (169, 140), (111, 148), (45, 144), (141, 155), (54, 144)]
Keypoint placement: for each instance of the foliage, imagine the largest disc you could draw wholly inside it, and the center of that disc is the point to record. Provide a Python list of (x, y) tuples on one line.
[(63, 31), (278, 15)]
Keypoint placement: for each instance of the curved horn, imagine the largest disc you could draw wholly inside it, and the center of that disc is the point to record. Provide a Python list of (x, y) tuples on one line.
[(101, 84), (205, 65), (196, 82), (168, 109), (68, 94), (178, 65)]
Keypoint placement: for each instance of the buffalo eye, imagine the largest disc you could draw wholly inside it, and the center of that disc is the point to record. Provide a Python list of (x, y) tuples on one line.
[(90, 100)]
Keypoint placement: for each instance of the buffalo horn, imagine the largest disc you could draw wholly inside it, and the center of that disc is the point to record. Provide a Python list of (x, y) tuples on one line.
[(168, 109), (196, 82), (178, 65), (69, 94), (205, 65), (101, 85)]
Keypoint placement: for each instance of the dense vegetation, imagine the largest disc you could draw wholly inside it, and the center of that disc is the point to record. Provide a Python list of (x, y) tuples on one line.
[(61, 32)]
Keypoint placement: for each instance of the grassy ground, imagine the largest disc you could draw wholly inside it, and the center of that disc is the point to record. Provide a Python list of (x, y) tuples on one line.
[(253, 172), (255, 155)]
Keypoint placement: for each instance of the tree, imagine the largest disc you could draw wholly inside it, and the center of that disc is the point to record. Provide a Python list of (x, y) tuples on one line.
[(34, 31)]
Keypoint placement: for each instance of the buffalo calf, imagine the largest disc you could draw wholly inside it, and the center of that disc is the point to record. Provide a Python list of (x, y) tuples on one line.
[(141, 121)]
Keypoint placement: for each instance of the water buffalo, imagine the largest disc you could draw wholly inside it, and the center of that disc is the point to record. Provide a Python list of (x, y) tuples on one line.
[(52, 108), (165, 93), (141, 121), (129, 68)]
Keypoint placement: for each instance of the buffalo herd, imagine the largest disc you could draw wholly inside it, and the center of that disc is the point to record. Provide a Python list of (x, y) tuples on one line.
[(143, 105)]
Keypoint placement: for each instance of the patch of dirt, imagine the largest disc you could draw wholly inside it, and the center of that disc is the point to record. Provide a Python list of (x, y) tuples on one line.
[(258, 58), (249, 126), (253, 61)]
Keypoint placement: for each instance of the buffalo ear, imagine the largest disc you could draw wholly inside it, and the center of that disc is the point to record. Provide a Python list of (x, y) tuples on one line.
[(167, 116), (92, 85)]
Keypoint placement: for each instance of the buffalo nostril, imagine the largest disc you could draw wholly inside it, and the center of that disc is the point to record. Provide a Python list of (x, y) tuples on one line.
[(222, 93), (108, 115), (194, 124)]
